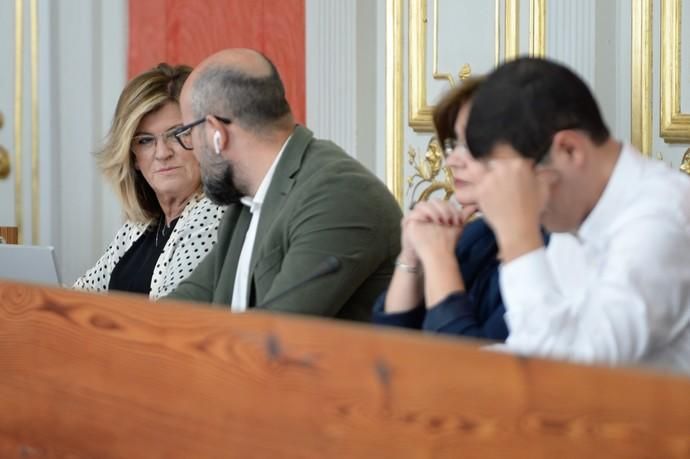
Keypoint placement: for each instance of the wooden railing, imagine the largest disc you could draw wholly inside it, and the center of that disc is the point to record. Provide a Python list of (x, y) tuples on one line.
[(96, 376)]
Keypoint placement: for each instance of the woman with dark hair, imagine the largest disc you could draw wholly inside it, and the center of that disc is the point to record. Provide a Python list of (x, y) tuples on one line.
[(446, 277), (170, 224)]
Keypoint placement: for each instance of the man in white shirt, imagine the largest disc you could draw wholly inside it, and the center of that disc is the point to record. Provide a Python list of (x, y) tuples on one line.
[(613, 285)]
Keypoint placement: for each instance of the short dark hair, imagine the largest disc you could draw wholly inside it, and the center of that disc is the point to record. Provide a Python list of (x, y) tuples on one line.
[(525, 102), (446, 110), (250, 101)]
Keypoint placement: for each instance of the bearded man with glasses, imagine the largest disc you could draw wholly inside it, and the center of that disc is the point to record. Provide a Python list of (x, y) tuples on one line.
[(294, 201)]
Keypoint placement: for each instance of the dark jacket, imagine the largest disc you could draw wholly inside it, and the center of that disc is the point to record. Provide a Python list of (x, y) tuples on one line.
[(320, 202), (477, 312)]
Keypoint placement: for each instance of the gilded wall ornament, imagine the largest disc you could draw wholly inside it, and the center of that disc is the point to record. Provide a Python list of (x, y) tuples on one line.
[(430, 174), (685, 162)]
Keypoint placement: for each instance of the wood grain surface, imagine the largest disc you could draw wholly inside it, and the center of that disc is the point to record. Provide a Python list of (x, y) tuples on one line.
[(10, 234), (187, 31), (96, 376)]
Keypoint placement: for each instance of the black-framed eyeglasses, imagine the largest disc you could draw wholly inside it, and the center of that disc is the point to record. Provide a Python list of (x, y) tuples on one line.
[(183, 134)]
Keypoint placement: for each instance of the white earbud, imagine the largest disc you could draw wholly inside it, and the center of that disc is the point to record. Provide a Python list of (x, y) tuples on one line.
[(216, 142)]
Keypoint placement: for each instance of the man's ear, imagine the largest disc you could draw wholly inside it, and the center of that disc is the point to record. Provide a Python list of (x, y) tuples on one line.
[(569, 145), (218, 133)]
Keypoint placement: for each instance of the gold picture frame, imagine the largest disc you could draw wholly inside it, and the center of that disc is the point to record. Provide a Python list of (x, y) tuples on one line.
[(641, 75), (419, 113), (674, 125)]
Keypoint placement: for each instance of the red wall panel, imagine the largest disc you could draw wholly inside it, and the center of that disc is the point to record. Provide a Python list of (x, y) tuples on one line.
[(187, 31)]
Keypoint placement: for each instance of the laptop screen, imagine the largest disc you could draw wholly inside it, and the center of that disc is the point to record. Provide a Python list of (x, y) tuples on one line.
[(28, 263)]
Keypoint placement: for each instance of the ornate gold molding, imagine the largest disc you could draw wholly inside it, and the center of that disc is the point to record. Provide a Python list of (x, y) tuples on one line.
[(5, 167), (394, 98), (419, 115), (511, 35), (675, 126), (685, 162), (419, 110), (641, 83), (537, 31), (465, 70), (35, 177), (427, 170), (18, 115)]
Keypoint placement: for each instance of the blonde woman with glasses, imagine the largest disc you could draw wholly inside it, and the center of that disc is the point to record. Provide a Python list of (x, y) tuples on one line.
[(170, 224)]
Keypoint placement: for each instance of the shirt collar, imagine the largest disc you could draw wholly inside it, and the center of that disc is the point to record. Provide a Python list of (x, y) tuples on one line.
[(621, 182), (254, 203)]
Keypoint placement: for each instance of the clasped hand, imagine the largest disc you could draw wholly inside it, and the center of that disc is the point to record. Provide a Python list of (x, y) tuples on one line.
[(432, 229)]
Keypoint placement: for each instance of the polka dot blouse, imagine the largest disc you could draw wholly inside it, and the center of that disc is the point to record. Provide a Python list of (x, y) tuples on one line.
[(194, 235)]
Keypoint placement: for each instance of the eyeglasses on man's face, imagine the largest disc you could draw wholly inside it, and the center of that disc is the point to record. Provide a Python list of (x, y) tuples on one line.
[(183, 134)]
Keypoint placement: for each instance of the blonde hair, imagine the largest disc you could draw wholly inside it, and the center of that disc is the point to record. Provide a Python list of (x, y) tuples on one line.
[(144, 94)]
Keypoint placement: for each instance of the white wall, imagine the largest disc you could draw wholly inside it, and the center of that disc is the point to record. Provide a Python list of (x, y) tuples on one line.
[(7, 94), (344, 50), (594, 39), (82, 57)]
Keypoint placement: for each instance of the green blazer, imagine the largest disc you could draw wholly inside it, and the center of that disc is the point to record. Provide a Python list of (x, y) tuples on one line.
[(320, 202)]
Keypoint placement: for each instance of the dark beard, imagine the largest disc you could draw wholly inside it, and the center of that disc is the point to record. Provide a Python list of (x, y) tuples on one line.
[(219, 184)]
